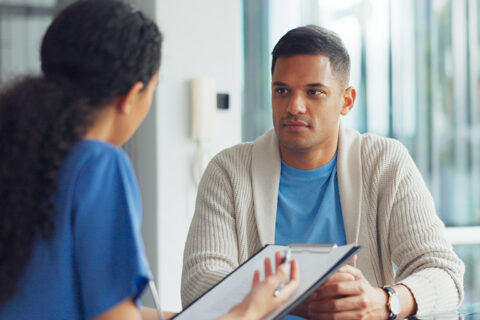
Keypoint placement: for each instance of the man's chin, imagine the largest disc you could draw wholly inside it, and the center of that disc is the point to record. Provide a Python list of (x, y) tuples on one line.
[(294, 140), (296, 145)]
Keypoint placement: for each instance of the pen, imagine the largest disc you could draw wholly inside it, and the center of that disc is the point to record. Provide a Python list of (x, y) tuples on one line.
[(287, 258)]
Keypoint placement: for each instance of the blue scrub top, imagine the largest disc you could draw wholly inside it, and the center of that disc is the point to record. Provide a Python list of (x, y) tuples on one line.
[(95, 257)]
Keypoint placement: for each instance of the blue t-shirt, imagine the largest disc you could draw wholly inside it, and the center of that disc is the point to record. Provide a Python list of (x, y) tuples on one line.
[(309, 209), (95, 257)]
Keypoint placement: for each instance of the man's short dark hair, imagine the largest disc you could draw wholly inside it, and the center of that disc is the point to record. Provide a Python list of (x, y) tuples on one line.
[(315, 40)]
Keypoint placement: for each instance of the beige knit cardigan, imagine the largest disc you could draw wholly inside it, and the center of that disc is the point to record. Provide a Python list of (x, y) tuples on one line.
[(386, 208)]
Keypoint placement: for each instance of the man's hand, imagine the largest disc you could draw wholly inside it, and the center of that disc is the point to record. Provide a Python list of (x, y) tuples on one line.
[(347, 295), (340, 276)]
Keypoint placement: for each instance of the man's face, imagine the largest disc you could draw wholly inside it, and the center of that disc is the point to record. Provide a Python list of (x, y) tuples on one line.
[(307, 100)]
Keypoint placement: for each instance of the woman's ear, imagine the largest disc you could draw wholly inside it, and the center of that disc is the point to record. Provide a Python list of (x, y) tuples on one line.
[(127, 102)]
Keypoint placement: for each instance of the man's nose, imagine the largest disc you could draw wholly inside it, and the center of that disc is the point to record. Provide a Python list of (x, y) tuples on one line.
[(297, 104)]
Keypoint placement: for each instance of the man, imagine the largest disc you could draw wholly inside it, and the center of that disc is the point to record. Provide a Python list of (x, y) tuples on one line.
[(312, 180)]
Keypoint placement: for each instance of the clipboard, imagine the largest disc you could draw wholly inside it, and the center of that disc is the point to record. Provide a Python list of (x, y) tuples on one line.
[(316, 263)]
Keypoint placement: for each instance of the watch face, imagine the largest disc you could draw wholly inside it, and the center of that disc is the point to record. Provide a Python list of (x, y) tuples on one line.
[(395, 304)]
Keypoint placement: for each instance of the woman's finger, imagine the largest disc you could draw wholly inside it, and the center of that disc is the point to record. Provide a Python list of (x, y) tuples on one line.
[(278, 259), (268, 267), (256, 278), (293, 284), (294, 271), (283, 272)]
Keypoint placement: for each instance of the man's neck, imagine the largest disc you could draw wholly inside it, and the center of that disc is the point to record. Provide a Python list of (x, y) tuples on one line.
[(309, 159)]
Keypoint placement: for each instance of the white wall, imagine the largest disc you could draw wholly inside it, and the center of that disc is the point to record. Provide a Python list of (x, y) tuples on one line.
[(200, 38), (143, 151)]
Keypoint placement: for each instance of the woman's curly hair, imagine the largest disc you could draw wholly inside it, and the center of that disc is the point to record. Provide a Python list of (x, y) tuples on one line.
[(93, 52)]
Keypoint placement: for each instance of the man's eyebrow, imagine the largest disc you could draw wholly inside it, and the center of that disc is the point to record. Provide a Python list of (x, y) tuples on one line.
[(310, 85), (317, 85)]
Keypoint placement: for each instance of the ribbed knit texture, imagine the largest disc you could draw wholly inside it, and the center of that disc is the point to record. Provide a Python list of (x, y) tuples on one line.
[(398, 223)]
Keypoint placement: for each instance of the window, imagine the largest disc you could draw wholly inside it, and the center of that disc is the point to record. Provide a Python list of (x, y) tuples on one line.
[(22, 25)]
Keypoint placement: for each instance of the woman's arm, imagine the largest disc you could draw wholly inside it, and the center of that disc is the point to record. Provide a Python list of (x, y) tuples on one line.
[(259, 302), (152, 314)]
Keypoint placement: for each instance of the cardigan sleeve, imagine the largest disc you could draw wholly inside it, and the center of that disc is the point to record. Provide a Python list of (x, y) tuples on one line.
[(211, 250), (425, 261)]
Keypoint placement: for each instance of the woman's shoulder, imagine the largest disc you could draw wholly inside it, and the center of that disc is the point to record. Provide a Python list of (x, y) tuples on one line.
[(89, 148), (96, 154), (93, 162)]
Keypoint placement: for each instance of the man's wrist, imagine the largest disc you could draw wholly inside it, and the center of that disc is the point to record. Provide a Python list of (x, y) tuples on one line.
[(408, 303), (382, 307), (394, 305)]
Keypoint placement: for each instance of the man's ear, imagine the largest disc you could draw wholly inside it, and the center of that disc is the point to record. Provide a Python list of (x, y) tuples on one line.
[(348, 100), (128, 101)]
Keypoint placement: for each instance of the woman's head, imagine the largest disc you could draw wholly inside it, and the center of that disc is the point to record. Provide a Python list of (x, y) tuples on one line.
[(103, 47), (95, 54)]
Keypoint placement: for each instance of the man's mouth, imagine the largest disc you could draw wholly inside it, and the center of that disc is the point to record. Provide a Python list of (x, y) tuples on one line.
[(295, 125)]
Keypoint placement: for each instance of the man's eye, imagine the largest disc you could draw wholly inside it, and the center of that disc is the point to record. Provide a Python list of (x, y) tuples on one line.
[(281, 91), (315, 92)]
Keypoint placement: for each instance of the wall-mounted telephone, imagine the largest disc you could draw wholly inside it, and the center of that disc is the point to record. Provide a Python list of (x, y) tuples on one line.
[(203, 107)]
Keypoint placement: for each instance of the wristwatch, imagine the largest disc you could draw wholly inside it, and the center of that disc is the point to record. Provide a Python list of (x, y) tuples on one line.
[(393, 303)]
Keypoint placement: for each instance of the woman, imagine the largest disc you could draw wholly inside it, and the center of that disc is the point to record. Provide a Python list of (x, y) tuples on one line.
[(70, 245)]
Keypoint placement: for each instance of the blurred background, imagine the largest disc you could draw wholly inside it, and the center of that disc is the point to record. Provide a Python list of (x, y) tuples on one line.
[(415, 65)]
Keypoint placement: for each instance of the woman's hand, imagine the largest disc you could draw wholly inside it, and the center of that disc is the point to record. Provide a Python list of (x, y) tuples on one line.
[(260, 301)]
